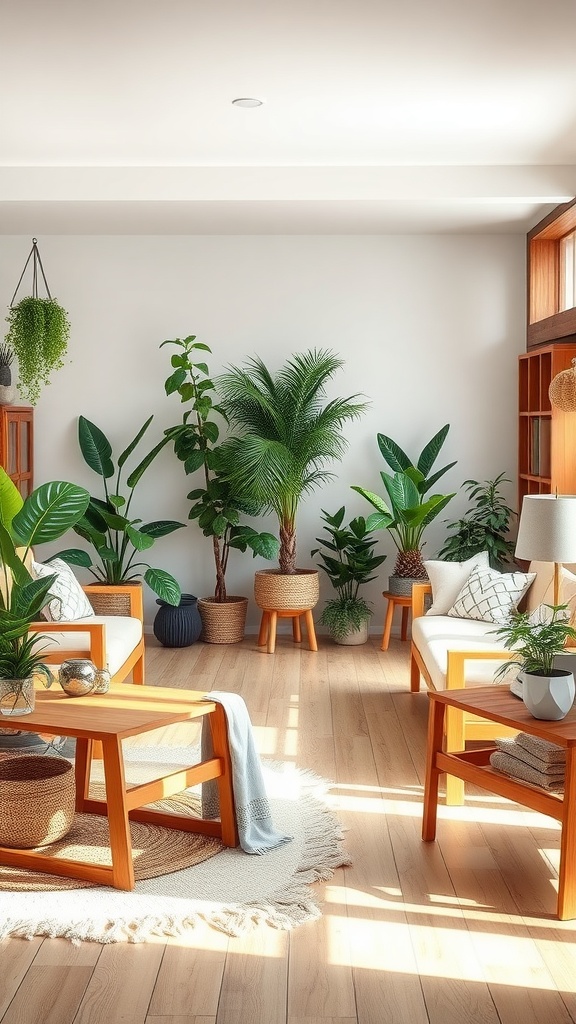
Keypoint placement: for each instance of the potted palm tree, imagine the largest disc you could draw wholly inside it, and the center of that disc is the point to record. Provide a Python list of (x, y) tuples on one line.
[(219, 505), (285, 435), (349, 561), (411, 510), (43, 517)]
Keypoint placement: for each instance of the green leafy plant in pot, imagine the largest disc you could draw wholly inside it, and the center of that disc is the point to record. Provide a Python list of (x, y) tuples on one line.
[(485, 526), (349, 561), (118, 539), (46, 514), (537, 640), (411, 508), (220, 504), (286, 432), (38, 333)]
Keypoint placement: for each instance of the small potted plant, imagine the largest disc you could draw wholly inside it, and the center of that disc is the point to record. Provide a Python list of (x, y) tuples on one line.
[(537, 640), (349, 561), (44, 516), (117, 537), (485, 526), (411, 510), (7, 389)]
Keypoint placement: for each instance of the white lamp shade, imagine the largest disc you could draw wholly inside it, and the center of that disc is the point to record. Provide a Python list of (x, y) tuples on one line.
[(547, 528)]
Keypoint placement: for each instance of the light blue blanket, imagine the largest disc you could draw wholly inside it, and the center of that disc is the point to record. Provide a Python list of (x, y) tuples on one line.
[(255, 827)]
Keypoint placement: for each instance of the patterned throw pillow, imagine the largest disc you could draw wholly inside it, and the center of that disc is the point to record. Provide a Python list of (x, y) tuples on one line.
[(448, 578), (68, 600), (490, 596)]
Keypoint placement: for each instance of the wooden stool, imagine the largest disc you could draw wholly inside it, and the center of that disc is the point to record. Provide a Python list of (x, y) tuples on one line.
[(270, 616), (404, 602)]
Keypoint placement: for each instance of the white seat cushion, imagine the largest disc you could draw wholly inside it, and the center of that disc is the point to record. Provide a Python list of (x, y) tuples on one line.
[(123, 634), (435, 636)]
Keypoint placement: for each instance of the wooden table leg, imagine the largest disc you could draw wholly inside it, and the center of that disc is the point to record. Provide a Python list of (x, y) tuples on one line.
[(82, 764), (433, 747), (120, 838), (567, 872), (312, 642), (387, 625), (404, 627), (220, 745), (272, 624), (263, 634), (296, 630)]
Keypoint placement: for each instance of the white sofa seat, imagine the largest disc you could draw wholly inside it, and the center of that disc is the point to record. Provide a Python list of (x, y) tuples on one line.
[(436, 635), (123, 635)]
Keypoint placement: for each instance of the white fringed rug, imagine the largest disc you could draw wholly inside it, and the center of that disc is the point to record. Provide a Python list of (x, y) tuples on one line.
[(233, 891)]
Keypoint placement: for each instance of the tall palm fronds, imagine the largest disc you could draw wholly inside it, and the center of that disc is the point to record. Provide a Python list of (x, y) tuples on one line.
[(286, 434)]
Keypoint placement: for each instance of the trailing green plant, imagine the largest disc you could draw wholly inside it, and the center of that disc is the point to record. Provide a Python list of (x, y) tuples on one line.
[(536, 642), (218, 505), (38, 333), (349, 561), (485, 525), (410, 511), (286, 434), (118, 538), (46, 514)]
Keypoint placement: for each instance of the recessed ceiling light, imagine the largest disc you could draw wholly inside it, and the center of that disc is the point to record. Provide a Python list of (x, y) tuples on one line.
[(247, 101)]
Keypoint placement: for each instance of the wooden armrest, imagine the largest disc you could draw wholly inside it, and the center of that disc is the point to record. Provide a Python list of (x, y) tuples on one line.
[(455, 679), (419, 592), (97, 641)]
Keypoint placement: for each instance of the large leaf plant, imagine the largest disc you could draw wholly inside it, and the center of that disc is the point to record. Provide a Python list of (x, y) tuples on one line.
[(46, 514), (116, 536)]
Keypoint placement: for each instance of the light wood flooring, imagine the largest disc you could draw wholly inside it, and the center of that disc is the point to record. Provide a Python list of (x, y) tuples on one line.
[(461, 930)]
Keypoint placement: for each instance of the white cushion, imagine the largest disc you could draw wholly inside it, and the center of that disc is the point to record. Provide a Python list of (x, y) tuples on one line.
[(448, 578), (434, 637), (123, 634), (68, 600), (491, 596)]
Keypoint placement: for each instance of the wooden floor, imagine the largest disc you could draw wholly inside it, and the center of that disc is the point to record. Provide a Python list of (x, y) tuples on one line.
[(461, 930)]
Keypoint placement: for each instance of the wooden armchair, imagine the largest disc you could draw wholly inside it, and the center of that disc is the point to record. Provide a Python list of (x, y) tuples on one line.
[(113, 637)]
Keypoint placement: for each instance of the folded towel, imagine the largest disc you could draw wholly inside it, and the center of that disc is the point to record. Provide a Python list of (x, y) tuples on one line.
[(256, 831), (547, 751), (509, 745), (518, 770)]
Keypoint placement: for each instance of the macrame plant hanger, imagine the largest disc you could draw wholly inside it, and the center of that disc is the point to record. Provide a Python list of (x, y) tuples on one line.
[(33, 255)]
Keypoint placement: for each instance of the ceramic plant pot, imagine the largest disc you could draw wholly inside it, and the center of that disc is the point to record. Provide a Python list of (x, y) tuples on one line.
[(178, 625), (548, 698)]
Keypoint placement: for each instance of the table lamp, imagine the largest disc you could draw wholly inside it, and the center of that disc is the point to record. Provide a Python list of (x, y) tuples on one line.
[(547, 532)]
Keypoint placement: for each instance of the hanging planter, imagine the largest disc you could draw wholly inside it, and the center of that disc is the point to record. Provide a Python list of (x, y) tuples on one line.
[(38, 333)]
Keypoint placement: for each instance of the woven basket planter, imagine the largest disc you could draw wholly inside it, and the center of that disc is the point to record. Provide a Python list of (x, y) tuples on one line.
[(223, 622), (37, 797), (276, 590), (114, 603)]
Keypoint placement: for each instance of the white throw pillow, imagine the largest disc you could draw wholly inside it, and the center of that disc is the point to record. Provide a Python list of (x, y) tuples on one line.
[(68, 600), (490, 596), (448, 578)]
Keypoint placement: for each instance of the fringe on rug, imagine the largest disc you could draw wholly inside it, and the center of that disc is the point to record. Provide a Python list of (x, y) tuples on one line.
[(290, 906)]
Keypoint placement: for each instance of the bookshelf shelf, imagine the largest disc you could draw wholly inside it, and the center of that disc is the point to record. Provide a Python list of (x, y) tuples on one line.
[(546, 435)]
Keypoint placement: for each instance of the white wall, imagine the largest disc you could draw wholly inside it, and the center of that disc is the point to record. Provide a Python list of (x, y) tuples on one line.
[(429, 327)]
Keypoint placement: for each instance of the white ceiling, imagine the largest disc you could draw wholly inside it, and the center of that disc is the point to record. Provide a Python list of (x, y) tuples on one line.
[(377, 116)]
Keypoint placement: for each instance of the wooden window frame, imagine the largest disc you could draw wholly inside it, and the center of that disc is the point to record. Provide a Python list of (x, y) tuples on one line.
[(546, 322)]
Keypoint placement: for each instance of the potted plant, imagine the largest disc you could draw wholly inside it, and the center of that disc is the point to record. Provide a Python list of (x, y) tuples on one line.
[(7, 390), (485, 526), (38, 333), (349, 561), (219, 504), (117, 537), (411, 511), (286, 434), (42, 517), (537, 640)]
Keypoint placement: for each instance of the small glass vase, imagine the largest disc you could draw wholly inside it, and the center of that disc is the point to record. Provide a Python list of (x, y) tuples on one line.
[(17, 696)]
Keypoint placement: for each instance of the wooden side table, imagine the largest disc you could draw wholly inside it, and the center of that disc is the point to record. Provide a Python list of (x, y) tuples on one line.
[(269, 621), (404, 602), (497, 704)]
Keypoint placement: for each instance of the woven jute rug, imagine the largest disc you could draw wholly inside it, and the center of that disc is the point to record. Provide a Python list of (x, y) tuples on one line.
[(231, 890)]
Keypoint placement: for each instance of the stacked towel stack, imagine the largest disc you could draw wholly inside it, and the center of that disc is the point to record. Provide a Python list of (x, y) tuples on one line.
[(531, 759)]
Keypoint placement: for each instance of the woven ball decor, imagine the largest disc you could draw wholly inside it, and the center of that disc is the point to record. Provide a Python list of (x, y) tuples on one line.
[(562, 390), (37, 797)]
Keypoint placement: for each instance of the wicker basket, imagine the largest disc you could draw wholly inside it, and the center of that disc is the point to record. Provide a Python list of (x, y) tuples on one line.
[(223, 622), (276, 590), (37, 797), (114, 603)]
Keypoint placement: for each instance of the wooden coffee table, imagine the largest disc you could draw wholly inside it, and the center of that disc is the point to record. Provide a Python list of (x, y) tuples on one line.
[(124, 711), (497, 704)]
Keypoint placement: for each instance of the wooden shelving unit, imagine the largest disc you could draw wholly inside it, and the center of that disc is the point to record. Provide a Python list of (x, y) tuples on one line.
[(547, 436), (17, 445), (546, 321)]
